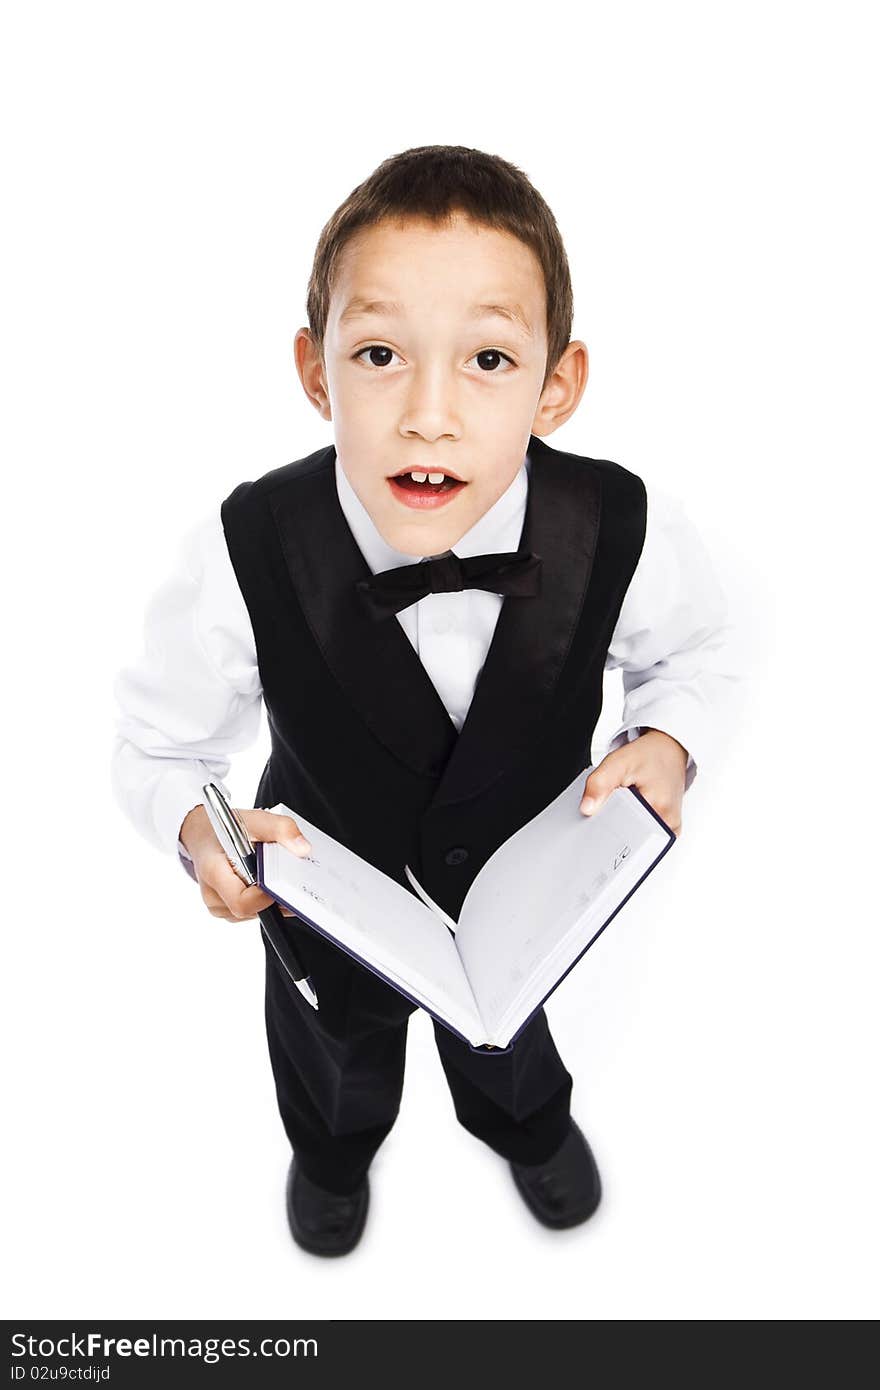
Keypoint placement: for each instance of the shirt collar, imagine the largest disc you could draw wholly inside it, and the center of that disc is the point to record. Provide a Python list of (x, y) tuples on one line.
[(497, 530)]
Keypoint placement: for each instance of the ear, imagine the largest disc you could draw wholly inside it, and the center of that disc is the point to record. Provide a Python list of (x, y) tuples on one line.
[(561, 396), (312, 372)]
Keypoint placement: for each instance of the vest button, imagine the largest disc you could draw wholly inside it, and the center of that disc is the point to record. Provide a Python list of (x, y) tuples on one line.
[(456, 856)]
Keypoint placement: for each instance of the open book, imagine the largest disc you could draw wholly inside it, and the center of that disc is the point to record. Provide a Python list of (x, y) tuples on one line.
[(530, 914)]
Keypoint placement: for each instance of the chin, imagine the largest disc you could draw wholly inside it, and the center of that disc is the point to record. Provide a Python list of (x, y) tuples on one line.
[(422, 540), (419, 540)]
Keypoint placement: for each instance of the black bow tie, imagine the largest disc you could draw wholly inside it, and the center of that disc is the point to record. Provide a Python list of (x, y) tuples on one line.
[(514, 572)]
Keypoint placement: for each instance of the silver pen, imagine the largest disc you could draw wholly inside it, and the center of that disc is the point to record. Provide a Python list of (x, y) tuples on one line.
[(232, 834)]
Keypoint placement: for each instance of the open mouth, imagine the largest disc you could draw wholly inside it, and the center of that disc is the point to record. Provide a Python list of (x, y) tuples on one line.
[(424, 491), (416, 481)]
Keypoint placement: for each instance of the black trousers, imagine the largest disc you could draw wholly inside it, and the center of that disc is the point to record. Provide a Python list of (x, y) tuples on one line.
[(339, 1071)]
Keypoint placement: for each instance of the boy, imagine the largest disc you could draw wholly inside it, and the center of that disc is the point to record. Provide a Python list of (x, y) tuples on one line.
[(427, 608)]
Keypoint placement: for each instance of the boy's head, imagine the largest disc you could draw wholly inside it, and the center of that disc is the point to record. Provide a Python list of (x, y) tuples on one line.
[(440, 310)]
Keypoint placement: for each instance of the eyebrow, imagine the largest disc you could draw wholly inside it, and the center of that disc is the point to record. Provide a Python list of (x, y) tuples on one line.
[(390, 307)]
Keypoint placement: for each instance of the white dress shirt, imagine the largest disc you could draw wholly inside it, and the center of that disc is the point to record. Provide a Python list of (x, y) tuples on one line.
[(193, 699)]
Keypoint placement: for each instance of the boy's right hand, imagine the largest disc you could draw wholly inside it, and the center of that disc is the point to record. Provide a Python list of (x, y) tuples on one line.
[(224, 893)]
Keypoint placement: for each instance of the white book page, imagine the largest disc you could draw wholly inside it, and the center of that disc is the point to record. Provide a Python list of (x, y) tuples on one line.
[(536, 888), (375, 918), (581, 932)]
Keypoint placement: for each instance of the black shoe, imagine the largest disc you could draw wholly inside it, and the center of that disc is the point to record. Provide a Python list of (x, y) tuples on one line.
[(322, 1222), (566, 1189)]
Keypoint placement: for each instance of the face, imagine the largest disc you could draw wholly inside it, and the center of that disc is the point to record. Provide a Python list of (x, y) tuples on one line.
[(434, 358)]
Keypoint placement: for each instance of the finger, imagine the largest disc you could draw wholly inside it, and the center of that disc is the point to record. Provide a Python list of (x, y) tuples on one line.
[(283, 830), (615, 770), (668, 814), (598, 788), (215, 904), (668, 807), (242, 912), (243, 900)]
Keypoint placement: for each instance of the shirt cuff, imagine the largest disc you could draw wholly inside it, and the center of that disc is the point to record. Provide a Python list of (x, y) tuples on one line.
[(186, 861), (178, 792), (628, 732)]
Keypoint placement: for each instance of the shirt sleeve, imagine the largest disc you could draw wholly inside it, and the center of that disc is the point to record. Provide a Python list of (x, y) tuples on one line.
[(673, 640), (192, 698)]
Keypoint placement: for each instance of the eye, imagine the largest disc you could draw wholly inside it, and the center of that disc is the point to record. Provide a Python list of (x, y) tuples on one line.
[(379, 350), (494, 356), (490, 359)]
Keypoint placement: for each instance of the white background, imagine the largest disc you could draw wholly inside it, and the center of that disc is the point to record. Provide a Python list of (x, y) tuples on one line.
[(168, 168)]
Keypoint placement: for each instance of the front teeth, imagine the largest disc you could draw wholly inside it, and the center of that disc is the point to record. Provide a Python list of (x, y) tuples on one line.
[(427, 477)]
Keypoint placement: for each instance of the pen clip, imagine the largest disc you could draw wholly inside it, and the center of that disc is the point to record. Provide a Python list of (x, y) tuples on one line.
[(229, 829)]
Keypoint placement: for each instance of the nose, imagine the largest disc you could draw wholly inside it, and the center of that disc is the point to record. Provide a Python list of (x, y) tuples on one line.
[(429, 410)]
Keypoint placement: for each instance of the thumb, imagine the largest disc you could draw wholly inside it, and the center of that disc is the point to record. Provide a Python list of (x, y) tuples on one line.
[(597, 789), (282, 830)]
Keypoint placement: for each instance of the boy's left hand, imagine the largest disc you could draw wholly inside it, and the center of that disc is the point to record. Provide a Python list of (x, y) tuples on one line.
[(654, 763)]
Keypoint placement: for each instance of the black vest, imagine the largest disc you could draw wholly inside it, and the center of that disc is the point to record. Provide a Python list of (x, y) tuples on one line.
[(362, 744)]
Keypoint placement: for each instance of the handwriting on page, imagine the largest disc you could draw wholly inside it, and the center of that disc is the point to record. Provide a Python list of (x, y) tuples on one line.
[(529, 959), (312, 894), (341, 892)]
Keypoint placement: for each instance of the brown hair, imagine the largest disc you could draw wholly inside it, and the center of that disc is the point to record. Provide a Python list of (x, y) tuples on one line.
[(435, 182)]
